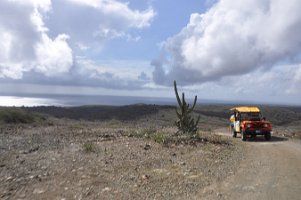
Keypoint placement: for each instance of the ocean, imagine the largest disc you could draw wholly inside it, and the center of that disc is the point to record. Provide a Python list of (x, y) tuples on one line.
[(80, 100)]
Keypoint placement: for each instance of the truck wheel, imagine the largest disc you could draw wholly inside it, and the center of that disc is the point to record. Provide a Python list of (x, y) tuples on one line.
[(267, 136), (234, 133), (243, 136)]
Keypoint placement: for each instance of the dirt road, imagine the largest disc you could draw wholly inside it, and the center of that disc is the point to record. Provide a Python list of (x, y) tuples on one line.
[(270, 170)]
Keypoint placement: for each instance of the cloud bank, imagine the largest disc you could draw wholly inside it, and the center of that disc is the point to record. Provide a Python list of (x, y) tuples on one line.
[(40, 39), (232, 38), (25, 45)]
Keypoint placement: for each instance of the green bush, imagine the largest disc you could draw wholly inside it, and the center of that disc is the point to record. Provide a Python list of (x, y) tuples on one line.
[(142, 133), (14, 116), (159, 137), (89, 147)]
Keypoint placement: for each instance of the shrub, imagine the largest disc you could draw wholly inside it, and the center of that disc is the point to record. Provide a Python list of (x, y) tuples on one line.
[(89, 147), (14, 115), (159, 137)]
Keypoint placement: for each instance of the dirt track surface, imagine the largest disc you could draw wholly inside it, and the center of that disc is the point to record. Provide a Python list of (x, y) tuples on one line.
[(269, 170)]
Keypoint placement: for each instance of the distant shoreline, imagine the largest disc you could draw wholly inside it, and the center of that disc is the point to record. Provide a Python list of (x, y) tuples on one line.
[(30, 100)]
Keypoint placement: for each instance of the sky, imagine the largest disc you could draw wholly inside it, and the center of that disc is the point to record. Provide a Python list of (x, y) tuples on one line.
[(222, 50)]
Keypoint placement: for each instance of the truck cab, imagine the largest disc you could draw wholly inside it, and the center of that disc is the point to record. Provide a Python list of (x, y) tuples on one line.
[(249, 122)]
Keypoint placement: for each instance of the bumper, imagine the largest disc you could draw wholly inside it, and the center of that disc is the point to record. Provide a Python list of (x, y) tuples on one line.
[(257, 132)]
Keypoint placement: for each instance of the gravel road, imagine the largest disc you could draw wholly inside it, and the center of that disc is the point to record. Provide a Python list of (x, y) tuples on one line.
[(269, 170)]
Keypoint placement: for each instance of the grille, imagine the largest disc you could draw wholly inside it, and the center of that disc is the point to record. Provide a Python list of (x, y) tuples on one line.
[(257, 125)]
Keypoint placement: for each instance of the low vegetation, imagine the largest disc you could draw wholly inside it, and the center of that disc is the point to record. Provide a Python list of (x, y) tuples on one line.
[(18, 115), (89, 147)]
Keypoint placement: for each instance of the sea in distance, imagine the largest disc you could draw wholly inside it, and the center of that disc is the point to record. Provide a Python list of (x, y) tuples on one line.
[(81, 100), (30, 100)]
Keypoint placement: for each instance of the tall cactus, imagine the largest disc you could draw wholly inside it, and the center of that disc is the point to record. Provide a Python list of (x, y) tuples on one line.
[(186, 123)]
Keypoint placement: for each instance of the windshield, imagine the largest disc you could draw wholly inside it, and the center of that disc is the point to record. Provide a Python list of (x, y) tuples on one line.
[(252, 116)]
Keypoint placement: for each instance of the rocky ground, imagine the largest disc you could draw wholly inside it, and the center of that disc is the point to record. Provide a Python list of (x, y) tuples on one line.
[(69, 159), (132, 153)]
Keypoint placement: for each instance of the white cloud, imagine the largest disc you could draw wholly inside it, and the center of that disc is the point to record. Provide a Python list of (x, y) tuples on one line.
[(53, 56), (93, 22), (232, 38), (117, 74), (25, 43), (120, 10), (41, 36)]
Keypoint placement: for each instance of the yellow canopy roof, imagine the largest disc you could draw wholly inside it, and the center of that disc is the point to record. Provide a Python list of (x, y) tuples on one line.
[(246, 109)]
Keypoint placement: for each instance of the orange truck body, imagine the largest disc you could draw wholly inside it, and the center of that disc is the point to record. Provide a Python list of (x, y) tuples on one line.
[(248, 122)]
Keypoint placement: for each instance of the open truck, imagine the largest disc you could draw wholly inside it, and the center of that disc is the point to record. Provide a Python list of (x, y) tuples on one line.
[(249, 122)]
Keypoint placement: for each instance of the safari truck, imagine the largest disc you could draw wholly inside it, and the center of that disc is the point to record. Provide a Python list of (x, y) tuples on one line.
[(248, 121)]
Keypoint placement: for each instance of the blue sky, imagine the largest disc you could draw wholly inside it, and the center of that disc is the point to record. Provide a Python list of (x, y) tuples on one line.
[(222, 50)]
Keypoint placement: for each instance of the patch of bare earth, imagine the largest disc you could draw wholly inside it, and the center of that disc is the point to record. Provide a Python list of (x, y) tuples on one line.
[(85, 160)]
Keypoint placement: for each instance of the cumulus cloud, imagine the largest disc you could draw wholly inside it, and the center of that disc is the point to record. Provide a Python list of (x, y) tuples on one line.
[(41, 37), (92, 22), (118, 75), (232, 38), (24, 41), (53, 56)]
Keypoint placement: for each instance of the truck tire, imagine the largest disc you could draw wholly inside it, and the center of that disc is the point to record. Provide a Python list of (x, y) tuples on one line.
[(267, 136), (234, 133), (243, 135)]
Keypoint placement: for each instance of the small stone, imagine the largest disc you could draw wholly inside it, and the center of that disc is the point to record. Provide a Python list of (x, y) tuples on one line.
[(22, 195), (106, 189), (147, 147), (145, 176), (38, 191)]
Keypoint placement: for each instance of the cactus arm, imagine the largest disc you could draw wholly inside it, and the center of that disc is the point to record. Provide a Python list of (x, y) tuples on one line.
[(194, 103), (178, 114), (177, 94), (198, 120)]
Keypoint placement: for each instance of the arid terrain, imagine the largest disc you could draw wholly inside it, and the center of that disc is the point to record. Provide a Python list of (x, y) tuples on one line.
[(133, 152)]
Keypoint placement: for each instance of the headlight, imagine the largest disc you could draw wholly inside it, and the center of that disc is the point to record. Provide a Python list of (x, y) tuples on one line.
[(249, 125), (265, 125)]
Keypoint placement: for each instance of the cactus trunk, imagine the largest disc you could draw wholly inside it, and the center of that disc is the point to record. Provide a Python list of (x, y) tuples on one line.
[(186, 123)]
